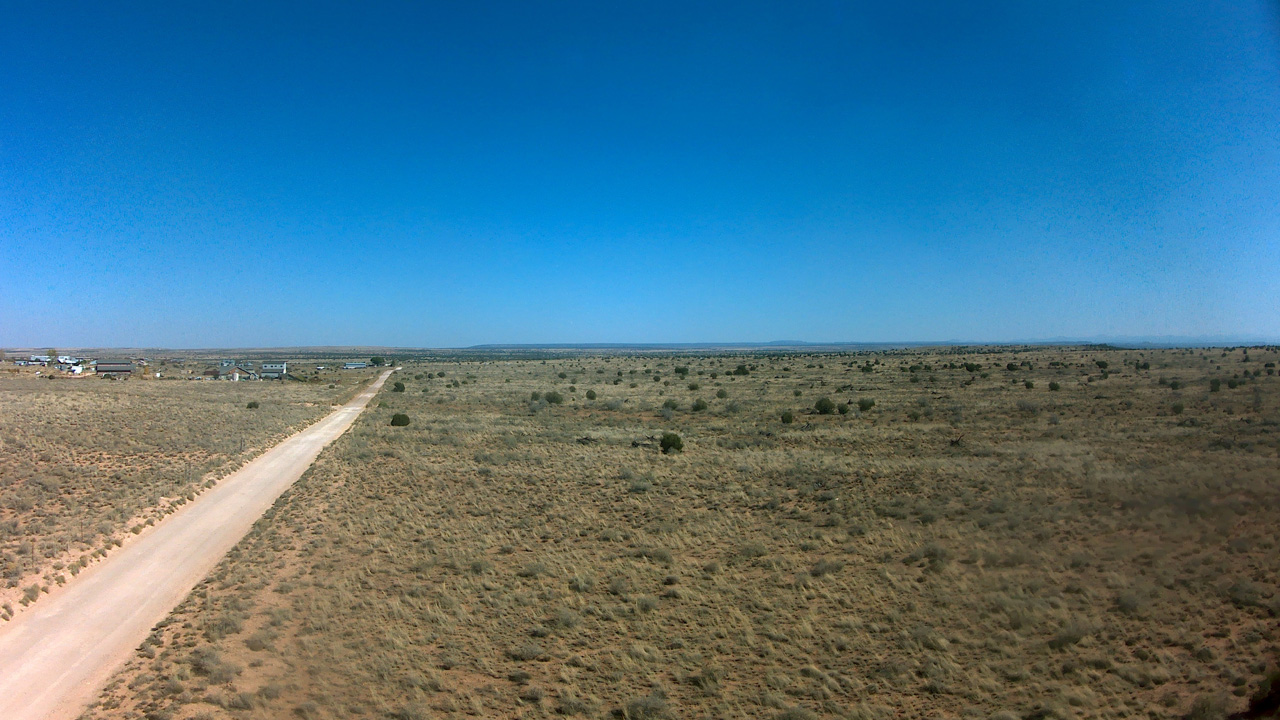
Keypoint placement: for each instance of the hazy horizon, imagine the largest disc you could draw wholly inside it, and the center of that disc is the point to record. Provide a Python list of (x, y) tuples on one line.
[(412, 176), (1136, 342)]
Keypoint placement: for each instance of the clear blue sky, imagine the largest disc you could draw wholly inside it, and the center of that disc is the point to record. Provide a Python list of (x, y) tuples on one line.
[(258, 174)]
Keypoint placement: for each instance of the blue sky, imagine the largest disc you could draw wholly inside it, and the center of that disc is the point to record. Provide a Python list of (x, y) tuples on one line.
[(254, 174)]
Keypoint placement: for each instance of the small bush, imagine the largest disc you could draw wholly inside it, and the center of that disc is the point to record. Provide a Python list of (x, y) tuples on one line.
[(1215, 385), (553, 398), (722, 394), (1177, 408), (671, 443), (1029, 385), (866, 404), (824, 406), (398, 387), (788, 417), (591, 394), (1054, 387), (699, 405), (399, 420), (527, 652), (253, 405), (843, 408)]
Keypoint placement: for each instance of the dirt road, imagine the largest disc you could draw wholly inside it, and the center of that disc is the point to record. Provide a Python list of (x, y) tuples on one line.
[(55, 657)]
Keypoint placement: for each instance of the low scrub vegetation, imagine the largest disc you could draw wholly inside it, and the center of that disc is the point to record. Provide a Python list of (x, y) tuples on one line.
[(963, 546)]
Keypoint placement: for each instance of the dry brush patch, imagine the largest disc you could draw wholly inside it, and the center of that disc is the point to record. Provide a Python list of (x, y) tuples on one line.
[(972, 544)]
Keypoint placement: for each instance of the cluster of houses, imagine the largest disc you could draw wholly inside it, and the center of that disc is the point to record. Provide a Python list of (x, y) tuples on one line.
[(79, 366), (233, 370), (237, 370)]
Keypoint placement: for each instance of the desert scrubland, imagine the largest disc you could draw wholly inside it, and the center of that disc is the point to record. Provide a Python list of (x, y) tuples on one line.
[(87, 463), (969, 532)]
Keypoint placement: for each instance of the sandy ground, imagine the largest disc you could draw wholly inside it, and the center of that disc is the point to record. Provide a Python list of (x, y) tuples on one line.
[(55, 658)]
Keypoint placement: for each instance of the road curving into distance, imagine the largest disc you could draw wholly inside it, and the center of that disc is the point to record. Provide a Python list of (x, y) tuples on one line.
[(56, 657)]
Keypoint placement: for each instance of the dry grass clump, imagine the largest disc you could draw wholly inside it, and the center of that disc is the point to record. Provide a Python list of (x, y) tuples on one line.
[(939, 552), (85, 464)]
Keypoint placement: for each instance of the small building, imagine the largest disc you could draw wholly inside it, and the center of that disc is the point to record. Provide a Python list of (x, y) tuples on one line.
[(40, 360), (274, 370), (355, 365), (106, 368), (238, 373)]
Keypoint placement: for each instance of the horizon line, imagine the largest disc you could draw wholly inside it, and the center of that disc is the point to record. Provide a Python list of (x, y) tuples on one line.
[(1157, 341)]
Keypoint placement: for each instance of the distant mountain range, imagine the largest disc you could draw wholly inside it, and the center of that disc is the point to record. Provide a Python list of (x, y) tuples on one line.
[(1125, 341)]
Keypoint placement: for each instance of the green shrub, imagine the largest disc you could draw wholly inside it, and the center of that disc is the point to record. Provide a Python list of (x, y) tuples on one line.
[(843, 408), (1102, 364), (865, 404), (1054, 386), (788, 417), (824, 406), (591, 394), (699, 405), (1215, 385), (1177, 408), (722, 394), (399, 420), (671, 405), (398, 387), (741, 370), (671, 443), (1029, 385), (535, 396), (253, 405), (553, 398), (694, 386)]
